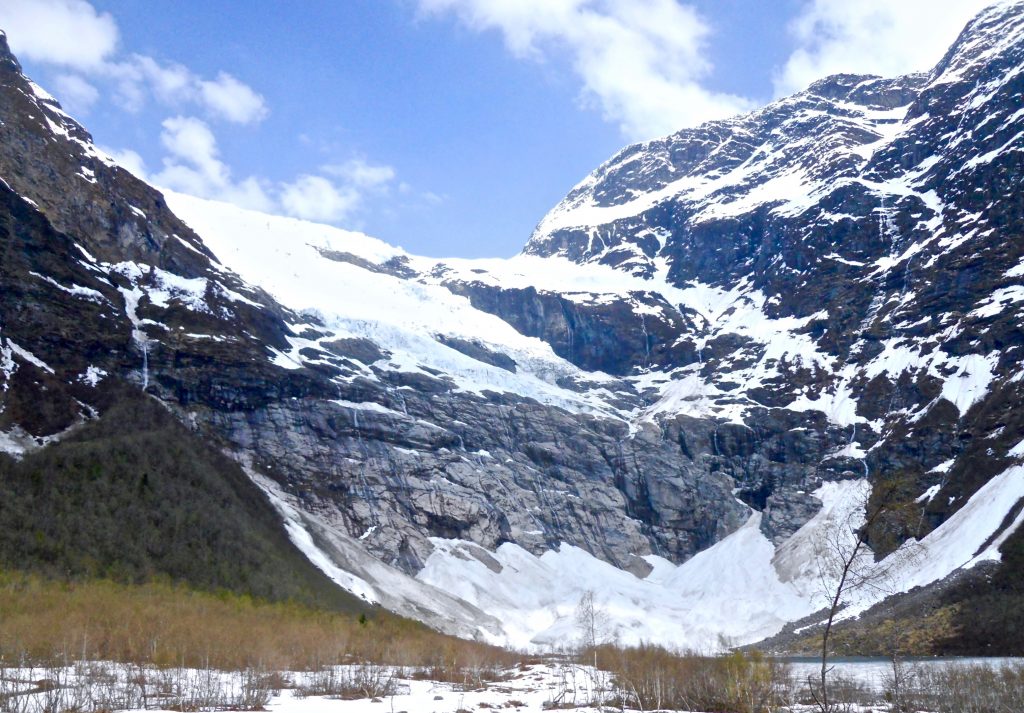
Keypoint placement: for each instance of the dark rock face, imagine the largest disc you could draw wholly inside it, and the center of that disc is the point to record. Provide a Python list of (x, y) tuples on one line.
[(885, 215), (827, 288)]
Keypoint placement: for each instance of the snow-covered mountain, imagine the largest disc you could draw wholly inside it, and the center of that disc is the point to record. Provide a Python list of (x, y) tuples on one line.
[(702, 361)]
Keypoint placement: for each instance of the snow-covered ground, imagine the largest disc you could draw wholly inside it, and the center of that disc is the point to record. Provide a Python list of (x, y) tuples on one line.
[(309, 267), (368, 688), (364, 688), (528, 690), (360, 286)]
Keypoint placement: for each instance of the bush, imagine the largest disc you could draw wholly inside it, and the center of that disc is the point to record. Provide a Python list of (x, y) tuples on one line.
[(104, 687), (971, 688), (349, 682), (656, 678)]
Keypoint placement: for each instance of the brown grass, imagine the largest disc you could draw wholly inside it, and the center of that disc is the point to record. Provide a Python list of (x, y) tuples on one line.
[(170, 625)]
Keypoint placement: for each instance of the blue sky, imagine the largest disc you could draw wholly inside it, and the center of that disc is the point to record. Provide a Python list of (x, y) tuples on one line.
[(448, 127)]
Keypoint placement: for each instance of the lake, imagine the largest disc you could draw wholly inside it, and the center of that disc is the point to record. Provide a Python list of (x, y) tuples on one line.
[(874, 672)]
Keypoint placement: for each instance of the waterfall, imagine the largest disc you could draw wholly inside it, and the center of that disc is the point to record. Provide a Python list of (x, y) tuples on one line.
[(367, 493), (145, 363), (647, 340)]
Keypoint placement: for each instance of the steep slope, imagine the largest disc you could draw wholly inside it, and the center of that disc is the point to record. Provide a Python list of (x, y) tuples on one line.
[(133, 496), (704, 358)]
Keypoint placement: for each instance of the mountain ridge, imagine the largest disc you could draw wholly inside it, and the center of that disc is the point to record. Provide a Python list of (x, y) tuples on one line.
[(826, 303)]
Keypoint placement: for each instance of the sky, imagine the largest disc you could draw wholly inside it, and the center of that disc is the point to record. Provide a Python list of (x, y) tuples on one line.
[(448, 127)]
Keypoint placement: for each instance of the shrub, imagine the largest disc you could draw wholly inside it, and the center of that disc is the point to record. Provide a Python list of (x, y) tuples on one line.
[(46, 621), (656, 678), (972, 688)]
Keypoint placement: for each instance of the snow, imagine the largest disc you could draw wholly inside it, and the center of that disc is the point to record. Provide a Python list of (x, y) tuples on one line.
[(959, 543), (346, 561), (738, 591), (999, 301), (836, 402), (768, 176), (75, 290), (1017, 451), (29, 357), (189, 292), (92, 376), (529, 689), (303, 540), (14, 442), (368, 406), (398, 314), (401, 313), (7, 364), (971, 380), (928, 495)]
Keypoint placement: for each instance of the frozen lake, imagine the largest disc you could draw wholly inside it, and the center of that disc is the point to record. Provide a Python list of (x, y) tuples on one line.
[(875, 671)]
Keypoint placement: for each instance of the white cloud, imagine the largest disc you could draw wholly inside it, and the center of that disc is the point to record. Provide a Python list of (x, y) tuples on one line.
[(642, 61), (170, 82), (64, 32), (232, 100), (190, 140), (317, 198), (129, 160), (885, 37), (193, 165), (338, 198), (361, 174), (139, 77), (72, 33), (77, 95)]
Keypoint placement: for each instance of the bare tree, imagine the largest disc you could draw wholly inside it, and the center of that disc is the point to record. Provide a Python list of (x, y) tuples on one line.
[(592, 621), (846, 565), (595, 627)]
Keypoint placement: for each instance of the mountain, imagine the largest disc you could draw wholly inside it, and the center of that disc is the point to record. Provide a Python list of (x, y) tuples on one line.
[(706, 359)]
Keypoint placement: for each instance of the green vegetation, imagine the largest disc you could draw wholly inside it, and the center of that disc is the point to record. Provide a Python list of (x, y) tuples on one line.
[(988, 613), (133, 496)]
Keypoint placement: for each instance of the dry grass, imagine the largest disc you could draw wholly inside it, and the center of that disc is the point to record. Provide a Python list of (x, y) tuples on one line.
[(656, 679), (43, 621)]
